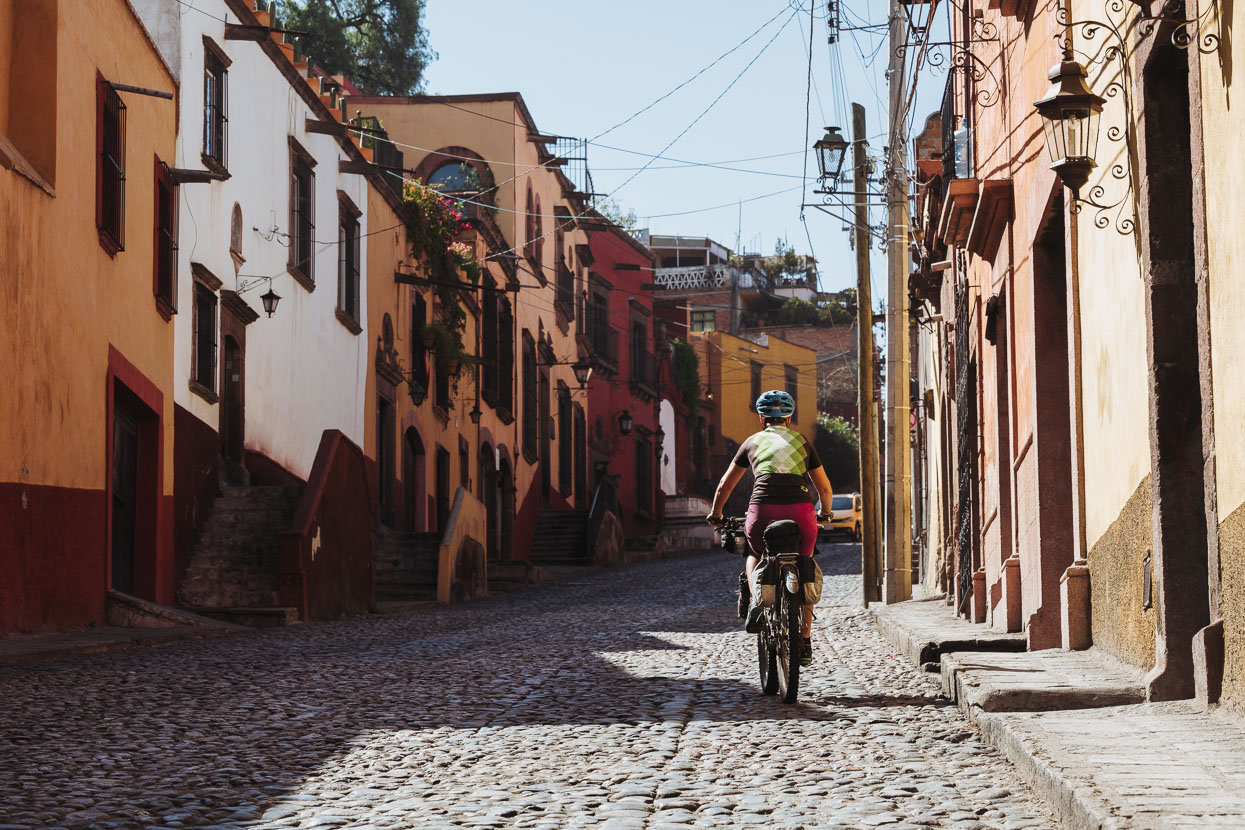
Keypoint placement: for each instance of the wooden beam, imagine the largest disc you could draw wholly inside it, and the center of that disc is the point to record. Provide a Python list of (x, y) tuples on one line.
[(183, 175), (356, 167), (141, 90), (315, 125), (239, 31)]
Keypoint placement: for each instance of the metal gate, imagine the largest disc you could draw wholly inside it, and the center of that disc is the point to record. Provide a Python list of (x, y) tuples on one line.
[(966, 404)]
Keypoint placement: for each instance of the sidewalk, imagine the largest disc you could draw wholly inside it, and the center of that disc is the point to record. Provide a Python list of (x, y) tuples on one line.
[(1077, 728), (97, 640)]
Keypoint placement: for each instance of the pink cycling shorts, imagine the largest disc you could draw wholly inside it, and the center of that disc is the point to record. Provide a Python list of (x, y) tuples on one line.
[(761, 515)]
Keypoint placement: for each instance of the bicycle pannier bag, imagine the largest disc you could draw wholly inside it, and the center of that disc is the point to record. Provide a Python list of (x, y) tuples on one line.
[(765, 578), (811, 577)]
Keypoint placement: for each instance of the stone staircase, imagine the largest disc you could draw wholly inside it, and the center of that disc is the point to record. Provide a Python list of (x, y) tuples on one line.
[(561, 538), (234, 572), (406, 565)]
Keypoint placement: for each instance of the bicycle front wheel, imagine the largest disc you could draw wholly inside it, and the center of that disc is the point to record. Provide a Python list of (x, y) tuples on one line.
[(790, 647)]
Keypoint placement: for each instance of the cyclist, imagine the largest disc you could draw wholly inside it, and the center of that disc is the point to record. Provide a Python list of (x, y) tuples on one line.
[(780, 458)]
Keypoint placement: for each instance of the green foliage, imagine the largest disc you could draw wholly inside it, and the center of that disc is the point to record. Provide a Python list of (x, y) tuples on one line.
[(432, 223), (611, 210), (380, 45), (797, 312), (838, 445), (687, 374)]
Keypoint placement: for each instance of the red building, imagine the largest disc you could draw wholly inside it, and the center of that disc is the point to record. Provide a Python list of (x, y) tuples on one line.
[(622, 336)]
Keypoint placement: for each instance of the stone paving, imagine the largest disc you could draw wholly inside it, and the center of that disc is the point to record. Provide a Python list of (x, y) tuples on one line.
[(621, 698)]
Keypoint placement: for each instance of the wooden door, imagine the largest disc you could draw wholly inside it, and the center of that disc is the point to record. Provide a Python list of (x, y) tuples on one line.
[(124, 497)]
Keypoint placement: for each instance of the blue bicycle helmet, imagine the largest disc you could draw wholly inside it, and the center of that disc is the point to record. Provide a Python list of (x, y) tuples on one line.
[(775, 404)]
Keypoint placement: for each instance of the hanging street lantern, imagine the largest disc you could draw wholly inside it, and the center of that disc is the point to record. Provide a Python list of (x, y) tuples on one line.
[(270, 299), (830, 150), (625, 422), (1070, 111), (583, 371)]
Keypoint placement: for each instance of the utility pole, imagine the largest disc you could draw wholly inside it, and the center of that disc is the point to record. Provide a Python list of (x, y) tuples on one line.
[(897, 580), (870, 541)]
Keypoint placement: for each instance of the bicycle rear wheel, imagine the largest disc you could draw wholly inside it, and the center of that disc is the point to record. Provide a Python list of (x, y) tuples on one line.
[(790, 647), (768, 662)]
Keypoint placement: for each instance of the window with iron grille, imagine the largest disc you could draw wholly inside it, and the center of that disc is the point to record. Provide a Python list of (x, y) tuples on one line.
[(165, 285), (419, 356), (531, 400), (215, 104), (464, 464), (505, 356), (110, 167), (756, 381), (704, 321), (302, 215), (348, 259), (566, 448), (441, 392), (203, 361), (791, 379), (490, 333)]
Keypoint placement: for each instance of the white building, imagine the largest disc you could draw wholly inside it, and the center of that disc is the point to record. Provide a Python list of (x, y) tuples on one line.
[(264, 206)]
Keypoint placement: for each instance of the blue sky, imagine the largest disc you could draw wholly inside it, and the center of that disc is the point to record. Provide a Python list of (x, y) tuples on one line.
[(584, 67)]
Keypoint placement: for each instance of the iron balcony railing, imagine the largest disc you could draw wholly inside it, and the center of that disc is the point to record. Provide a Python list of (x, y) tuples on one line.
[(644, 371)]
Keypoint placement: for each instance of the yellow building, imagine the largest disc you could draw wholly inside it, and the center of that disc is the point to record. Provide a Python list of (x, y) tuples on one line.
[(734, 371), (86, 342)]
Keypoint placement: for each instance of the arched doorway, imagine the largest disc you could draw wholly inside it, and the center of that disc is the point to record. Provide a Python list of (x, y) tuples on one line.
[(505, 499), (413, 484), (231, 418), (490, 497)]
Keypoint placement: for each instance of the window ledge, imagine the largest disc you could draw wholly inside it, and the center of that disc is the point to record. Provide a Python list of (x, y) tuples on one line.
[(13, 159), (530, 455), (165, 308), (504, 413), (110, 245), (347, 320), (203, 392), (441, 415), (301, 278)]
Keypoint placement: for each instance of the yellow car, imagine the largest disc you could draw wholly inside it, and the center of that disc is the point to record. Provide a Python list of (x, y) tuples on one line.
[(845, 516)]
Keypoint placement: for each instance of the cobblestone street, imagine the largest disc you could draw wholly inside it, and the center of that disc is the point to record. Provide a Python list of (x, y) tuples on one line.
[(620, 698)]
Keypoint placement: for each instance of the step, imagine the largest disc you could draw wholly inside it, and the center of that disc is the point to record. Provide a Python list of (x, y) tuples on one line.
[(255, 617)]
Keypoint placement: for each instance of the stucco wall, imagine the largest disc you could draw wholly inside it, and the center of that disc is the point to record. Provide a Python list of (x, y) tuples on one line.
[(304, 368), (1120, 625), (1223, 124), (66, 304)]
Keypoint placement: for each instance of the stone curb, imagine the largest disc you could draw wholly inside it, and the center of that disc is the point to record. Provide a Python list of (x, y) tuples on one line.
[(57, 646), (924, 648)]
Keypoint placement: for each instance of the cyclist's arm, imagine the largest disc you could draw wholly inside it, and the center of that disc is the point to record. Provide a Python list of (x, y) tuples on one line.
[(822, 483), (732, 476)]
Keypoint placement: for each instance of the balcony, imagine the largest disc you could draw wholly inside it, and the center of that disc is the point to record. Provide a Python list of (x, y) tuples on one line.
[(644, 373), (693, 278)]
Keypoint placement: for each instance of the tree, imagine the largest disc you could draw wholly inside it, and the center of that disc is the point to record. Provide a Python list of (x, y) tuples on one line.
[(838, 446), (611, 210), (687, 375), (380, 45)]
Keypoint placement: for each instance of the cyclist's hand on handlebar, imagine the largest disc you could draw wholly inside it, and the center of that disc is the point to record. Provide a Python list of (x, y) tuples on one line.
[(823, 520), (715, 519)]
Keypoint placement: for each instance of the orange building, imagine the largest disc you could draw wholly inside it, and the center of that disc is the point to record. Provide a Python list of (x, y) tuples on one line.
[(86, 346)]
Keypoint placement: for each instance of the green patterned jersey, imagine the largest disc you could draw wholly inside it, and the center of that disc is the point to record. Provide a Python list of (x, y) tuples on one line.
[(780, 458)]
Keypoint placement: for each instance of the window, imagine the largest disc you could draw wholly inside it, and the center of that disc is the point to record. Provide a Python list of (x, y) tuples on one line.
[(441, 392), (215, 104), (455, 177), (489, 336), (419, 353), (166, 241), (464, 462), (302, 215), (203, 361), (756, 380), (348, 261), (531, 400), (791, 378), (704, 320), (505, 356), (110, 171), (534, 245)]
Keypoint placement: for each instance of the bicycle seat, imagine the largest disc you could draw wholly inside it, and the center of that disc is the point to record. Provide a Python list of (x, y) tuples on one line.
[(782, 536)]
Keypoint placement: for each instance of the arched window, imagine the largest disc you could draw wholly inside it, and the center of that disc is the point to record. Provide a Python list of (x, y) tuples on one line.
[(455, 177)]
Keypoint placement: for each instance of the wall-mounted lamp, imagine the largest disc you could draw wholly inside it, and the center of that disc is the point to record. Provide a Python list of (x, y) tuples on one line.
[(1070, 112), (270, 299), (625, 422)]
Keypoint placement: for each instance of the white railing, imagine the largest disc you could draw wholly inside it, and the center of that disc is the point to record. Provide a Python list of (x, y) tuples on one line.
[(693, 277)]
